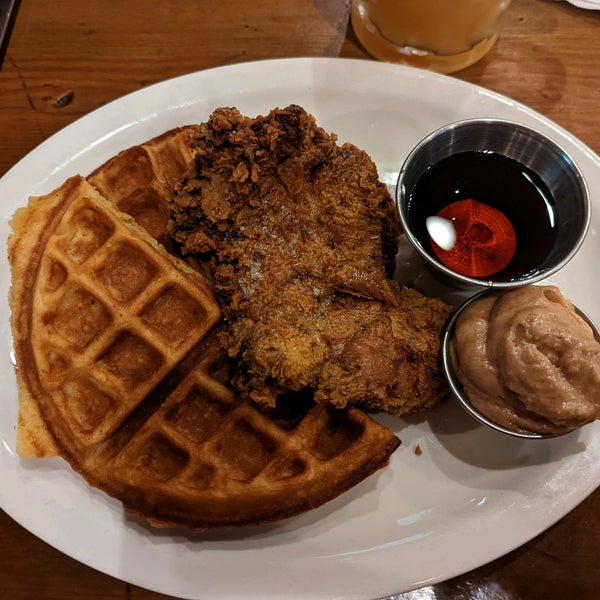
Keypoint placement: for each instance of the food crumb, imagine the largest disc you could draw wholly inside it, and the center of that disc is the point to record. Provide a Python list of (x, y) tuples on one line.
[(418, 450)]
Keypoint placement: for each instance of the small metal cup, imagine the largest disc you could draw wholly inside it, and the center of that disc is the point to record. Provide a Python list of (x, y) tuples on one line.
[(457, 389), (526, 146)]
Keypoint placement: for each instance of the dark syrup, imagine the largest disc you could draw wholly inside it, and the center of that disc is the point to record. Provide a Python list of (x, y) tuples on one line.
[(500, 182)]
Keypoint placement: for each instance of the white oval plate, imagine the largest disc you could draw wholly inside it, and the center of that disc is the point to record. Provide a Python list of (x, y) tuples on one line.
[(471, 496)]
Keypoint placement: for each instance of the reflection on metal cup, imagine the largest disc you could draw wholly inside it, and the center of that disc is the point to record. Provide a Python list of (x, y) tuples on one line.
[(439, 35)]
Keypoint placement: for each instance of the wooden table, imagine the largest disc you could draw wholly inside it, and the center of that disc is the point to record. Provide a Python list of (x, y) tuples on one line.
[(68, 57)]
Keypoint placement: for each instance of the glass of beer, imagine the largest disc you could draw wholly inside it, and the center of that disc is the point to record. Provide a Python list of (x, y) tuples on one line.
[(441, 35)]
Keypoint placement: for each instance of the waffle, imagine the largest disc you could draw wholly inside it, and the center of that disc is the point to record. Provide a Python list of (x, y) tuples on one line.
[(140, 179), (120, 372)]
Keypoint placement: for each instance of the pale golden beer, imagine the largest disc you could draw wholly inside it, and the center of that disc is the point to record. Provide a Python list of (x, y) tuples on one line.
[(441, 35)]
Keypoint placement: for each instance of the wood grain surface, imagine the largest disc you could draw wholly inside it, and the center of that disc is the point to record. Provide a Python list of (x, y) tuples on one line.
[(68, 57)]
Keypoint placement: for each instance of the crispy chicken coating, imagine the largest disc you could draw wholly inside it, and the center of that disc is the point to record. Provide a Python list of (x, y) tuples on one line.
[(301, 236)]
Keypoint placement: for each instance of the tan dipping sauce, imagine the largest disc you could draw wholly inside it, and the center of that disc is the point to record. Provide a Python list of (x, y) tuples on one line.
[(528, 361)]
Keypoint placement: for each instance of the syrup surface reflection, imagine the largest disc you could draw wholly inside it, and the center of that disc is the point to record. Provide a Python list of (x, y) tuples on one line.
[(441, 231)]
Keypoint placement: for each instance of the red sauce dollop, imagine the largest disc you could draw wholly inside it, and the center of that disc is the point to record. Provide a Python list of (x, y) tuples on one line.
[(485, 239)]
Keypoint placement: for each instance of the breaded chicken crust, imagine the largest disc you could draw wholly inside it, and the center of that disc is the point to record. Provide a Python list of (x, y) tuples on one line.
[(302, 236)]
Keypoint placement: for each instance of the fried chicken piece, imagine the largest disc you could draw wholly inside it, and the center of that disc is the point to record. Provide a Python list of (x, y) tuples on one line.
[(302, 236)]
